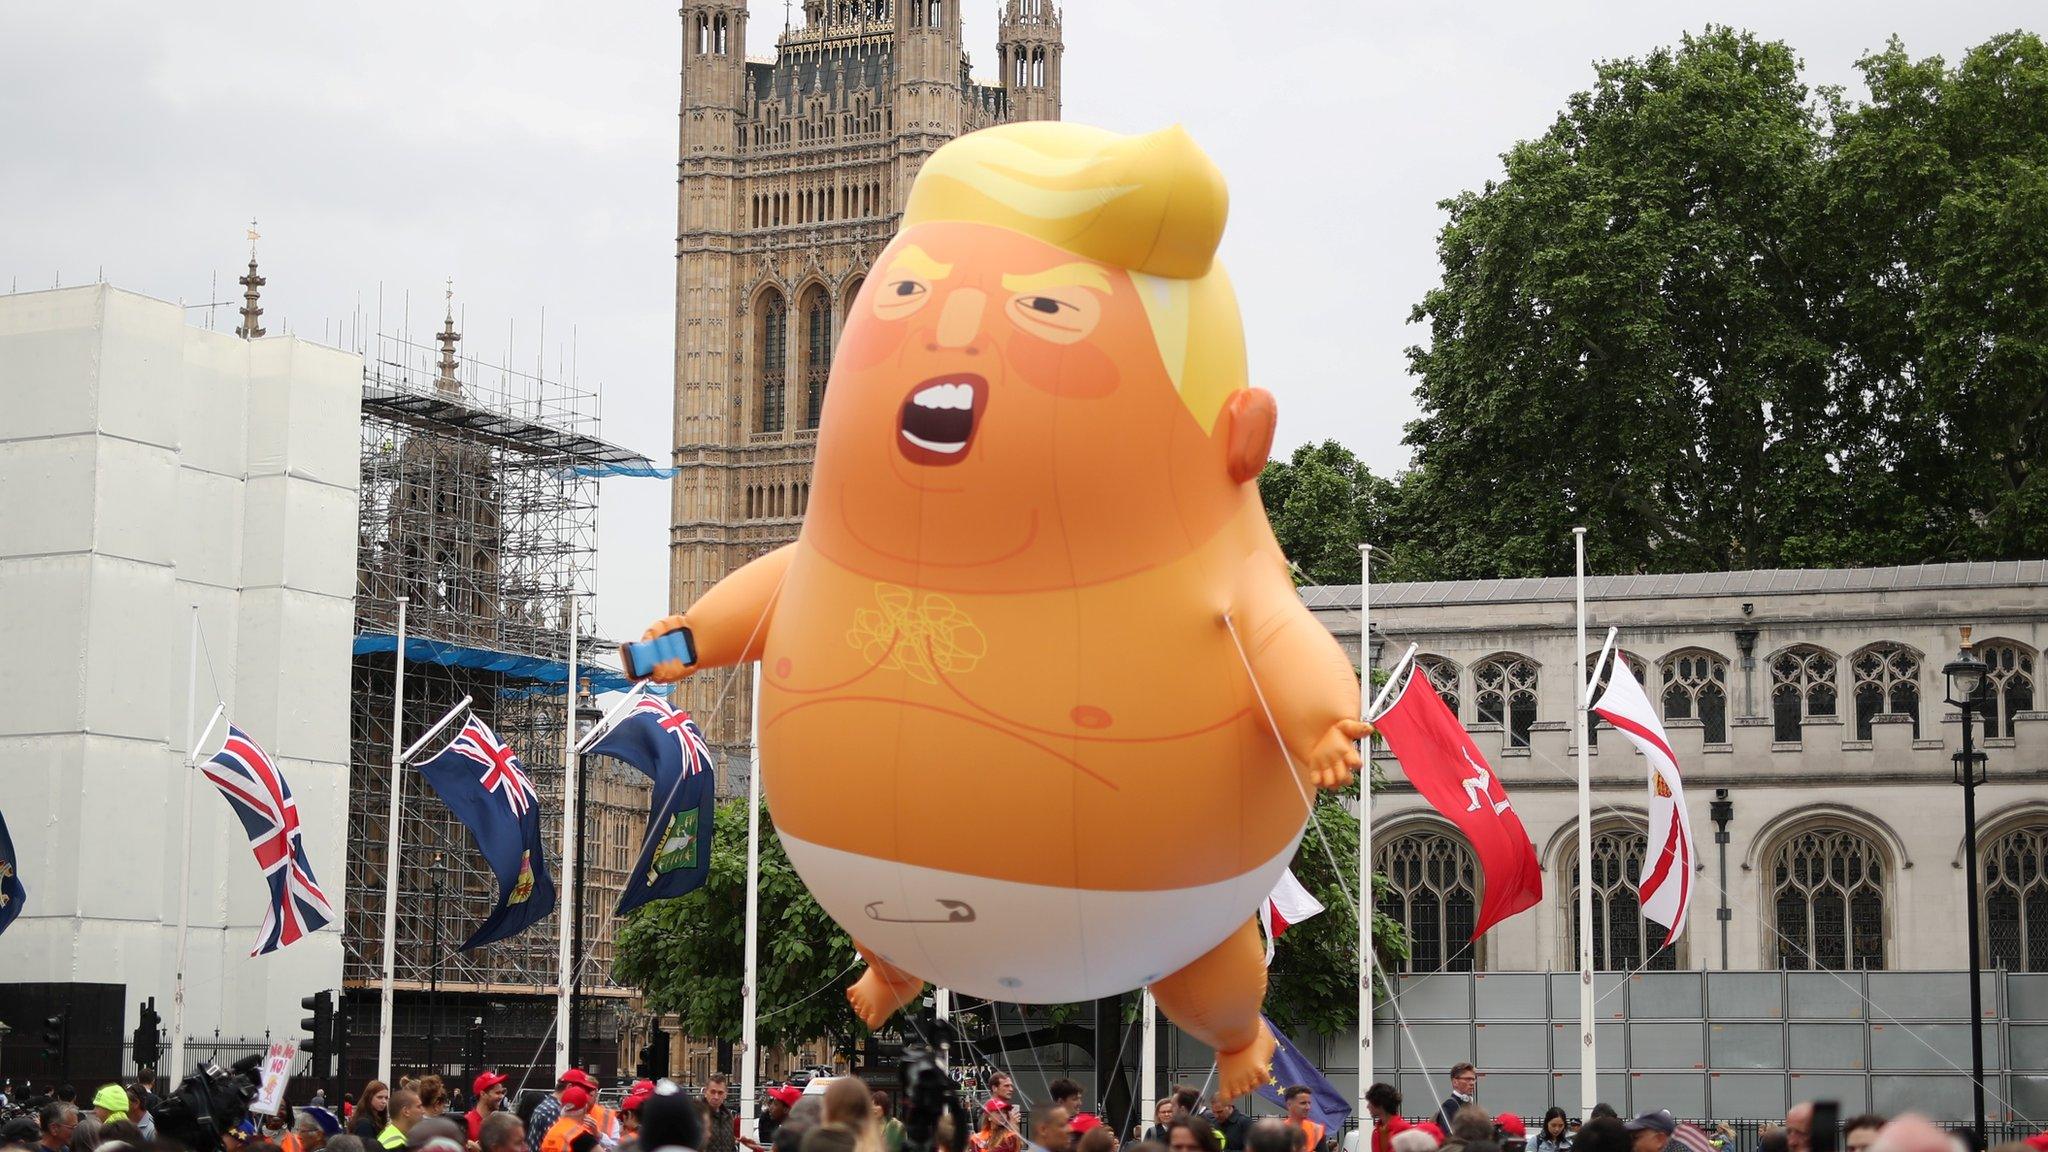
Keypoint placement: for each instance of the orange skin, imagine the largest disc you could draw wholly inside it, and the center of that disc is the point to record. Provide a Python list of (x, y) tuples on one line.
[(1100, 560)]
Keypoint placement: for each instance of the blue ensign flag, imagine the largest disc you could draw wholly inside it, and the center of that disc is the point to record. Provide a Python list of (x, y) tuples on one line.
[(12, 894), (1326, 1105), (675, 856), (482, 782)]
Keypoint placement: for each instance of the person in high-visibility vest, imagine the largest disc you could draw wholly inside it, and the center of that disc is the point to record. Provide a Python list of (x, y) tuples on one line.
[(1298, 1097)]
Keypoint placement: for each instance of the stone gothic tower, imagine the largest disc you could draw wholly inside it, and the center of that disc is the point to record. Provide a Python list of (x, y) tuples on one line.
[(1028, 50), (791, 174)]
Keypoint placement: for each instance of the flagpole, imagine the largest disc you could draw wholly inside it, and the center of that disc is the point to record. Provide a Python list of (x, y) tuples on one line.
[(1148, 1054), (1365, 900), (185, 870), (749, 1006), (1589, 1064), (567, 919), (391, 850)]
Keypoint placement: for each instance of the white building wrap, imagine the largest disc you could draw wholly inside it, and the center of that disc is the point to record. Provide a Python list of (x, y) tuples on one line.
[(147, 466)]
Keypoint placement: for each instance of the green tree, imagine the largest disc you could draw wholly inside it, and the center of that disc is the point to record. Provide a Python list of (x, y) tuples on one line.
[(1936, 195), (1726, 322), (1314, 979), (686, 955), (1622, 338), (1322, 502)]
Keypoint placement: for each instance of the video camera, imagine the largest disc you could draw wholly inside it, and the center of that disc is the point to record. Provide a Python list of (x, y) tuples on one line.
[(210, 1101), (930, 1090)]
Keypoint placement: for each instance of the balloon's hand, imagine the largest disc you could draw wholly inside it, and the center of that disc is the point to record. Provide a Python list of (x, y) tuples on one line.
[(1334, 761), (668, 671)]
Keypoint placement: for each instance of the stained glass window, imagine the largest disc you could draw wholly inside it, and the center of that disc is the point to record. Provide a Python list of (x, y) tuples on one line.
[(1828, 893), (2016, 899), (1505, 690), (1802, 686), (1433, 891), (1696, 687), (1887, 683), (1620, 933), (2008, 685)]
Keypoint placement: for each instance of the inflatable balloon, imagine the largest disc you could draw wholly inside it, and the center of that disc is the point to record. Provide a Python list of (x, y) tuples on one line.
[(1029, 670)]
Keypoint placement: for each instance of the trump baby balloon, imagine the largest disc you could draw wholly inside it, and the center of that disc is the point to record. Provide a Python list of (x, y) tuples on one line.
[(1040, 710)]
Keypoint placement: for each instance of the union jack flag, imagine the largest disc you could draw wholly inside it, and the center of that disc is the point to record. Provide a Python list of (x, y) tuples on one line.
[(689, 738), (259, 795), (502, 771)]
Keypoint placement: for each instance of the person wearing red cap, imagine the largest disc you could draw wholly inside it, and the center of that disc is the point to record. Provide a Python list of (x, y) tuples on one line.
[(573, 1121), (550, 1109), (489, 1090), (781, 1099), (998, 1128), (1510, 1132)]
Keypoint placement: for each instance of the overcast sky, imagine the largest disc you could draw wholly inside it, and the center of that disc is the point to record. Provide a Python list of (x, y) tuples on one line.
[(528, 150)]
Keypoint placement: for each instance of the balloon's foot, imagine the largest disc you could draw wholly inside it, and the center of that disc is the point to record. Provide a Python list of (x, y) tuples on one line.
[(1245, 1069), (876, 996)]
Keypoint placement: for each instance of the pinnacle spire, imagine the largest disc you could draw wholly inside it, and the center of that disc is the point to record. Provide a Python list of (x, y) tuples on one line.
[(446, 383), (252, 286)]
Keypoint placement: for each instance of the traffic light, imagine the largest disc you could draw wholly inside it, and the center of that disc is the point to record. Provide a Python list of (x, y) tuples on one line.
[(146, 1046), (319, 1043), (645, 1068), (653, 1056), (54, 1028)]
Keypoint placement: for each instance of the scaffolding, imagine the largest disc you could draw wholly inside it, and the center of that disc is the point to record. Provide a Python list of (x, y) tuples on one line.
[(479, 505)]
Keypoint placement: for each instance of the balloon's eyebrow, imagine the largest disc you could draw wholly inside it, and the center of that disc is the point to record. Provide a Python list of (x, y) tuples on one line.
[(917, 262), (1078, 274)]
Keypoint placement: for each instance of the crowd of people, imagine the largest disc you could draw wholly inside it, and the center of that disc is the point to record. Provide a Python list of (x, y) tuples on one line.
[(848, 1116)]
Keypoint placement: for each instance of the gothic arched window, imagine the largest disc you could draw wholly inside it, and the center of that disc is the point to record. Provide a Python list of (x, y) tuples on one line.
[(1621, 935), (1887, 683), (1802, 686), (1443, 676), (1504, 690), (1827, 893), (1696, 687), (2008, 685), (771, 350), (1038, 67), (817, 352), (2016, 899), (1433, 891)]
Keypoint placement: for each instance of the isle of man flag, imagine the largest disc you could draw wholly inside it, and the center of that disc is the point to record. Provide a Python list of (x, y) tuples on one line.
[(1666, 886)]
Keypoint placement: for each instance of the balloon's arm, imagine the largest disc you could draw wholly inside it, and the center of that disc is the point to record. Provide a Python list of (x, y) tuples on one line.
[(729, 624), (1307, 682)]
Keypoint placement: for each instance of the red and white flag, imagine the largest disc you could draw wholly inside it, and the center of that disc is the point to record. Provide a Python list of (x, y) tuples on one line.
[(1438, 757), (1289, 905), (1666, 886)]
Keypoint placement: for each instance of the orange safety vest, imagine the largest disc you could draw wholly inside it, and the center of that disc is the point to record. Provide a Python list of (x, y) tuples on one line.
[(1314, 1131)]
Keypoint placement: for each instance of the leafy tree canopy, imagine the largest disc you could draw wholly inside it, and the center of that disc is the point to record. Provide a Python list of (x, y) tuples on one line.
[(1727, 321)]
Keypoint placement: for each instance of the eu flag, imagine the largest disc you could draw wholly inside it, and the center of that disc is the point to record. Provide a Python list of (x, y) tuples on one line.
[(1326, 1105), (667, 745), (482, 782), (12, 894)]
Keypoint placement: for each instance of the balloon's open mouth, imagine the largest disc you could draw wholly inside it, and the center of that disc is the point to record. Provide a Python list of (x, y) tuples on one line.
[(939, 417)]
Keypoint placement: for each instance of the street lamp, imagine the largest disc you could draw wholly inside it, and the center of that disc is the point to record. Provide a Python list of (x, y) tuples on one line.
[(1965, 676)]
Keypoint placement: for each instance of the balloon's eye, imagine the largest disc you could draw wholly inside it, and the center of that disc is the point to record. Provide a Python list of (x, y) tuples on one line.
[(900, 298), (1045, 304)]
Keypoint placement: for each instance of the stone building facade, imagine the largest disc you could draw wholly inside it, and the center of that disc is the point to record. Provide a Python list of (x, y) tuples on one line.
[(792, 174), (1812, 703)]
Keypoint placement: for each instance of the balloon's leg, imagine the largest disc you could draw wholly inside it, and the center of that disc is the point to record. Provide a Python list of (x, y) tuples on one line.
[(881, 990), (1216, 1000)]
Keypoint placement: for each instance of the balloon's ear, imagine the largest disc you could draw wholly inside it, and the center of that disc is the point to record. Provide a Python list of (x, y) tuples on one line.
[(1251, 414)]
